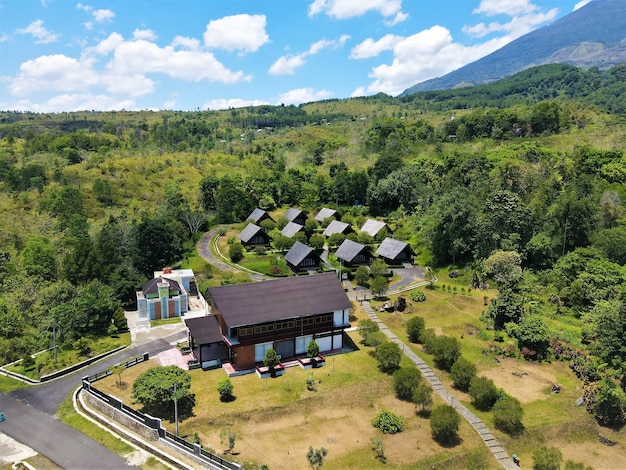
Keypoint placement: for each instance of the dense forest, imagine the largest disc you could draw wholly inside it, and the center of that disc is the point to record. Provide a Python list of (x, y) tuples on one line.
[(519, 182)]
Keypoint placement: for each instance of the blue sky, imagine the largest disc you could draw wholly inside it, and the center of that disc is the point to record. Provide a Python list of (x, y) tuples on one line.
[(62, 55)]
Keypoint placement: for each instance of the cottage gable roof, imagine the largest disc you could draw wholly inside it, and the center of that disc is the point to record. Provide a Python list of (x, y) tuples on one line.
[(349, 250), (336, 226), (291, 297), (291, 229), (205, 330), (297, 253), (249, 232), (293, 213), (391, 248), (152, 286), (325, 213), (258, 215), (372, 227)]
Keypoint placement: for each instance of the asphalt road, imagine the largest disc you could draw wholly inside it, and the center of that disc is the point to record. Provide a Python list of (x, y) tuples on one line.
[(30, 416), (62, 444)]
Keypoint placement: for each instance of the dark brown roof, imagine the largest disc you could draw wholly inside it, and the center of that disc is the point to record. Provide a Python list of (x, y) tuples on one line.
[(292, 297), (205, 330), (152, 286)]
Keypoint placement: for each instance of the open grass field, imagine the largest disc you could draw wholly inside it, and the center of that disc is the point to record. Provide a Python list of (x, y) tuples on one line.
[(276, 420), (549, 419)]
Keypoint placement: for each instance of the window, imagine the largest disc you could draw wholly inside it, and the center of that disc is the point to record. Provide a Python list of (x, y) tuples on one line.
[(245, 331), (263, 328)]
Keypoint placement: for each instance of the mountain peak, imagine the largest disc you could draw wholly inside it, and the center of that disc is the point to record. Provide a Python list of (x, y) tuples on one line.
[(592, 36)]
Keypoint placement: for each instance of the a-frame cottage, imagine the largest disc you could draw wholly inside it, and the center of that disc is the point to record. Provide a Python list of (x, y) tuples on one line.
[(259, 215), (353, 254), (302, 258), (283, 314), (395, 252), (253, 235), (296, 216)]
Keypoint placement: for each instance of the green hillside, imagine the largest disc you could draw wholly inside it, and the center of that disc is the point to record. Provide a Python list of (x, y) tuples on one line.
[(518, 185)]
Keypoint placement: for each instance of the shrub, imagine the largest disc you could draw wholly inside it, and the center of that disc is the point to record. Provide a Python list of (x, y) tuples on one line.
[(405, 381), (484, 393), (225, 389), (388, 422), (415, 328), (507, 415), (417, 296), (547, 458), (83, 346), (423, 395), (271, 359), (260, 250), (366, 327), (361, 275), (462, 372), (445, 350), (375, 339), (312, 349), (235, 252), (444, 423), (388, 355)]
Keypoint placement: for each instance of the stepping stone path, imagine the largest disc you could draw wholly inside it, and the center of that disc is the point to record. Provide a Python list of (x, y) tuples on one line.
[(483, 431)]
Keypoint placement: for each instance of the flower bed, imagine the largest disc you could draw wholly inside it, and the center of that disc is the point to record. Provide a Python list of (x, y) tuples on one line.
[(312, 362), (264, 372)]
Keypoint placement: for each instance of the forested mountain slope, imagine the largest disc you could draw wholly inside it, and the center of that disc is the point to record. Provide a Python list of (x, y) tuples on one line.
[(592, 36)]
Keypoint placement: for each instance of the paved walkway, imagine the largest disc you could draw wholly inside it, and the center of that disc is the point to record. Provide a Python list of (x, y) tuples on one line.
[(491, 442), (205, 245)]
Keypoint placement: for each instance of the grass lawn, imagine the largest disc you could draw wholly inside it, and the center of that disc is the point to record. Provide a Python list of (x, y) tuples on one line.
[(276, 420), (549, 419), (67, 355), (166, 321)]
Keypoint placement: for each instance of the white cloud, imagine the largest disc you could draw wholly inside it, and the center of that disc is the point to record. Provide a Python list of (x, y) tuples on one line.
[(244, 33), (231, 103), (41, 34), (430, 53), (122, 68), (371, 48), (103, 15), (360, 91), (4, 37), (581, 4), (53, 72), (71, 102), (287, 64), (344, 9), (505, 7), (518, 26), (399, 18), (146, 34), (433, 52), (303, 95), (187, 43), (99, 16)]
